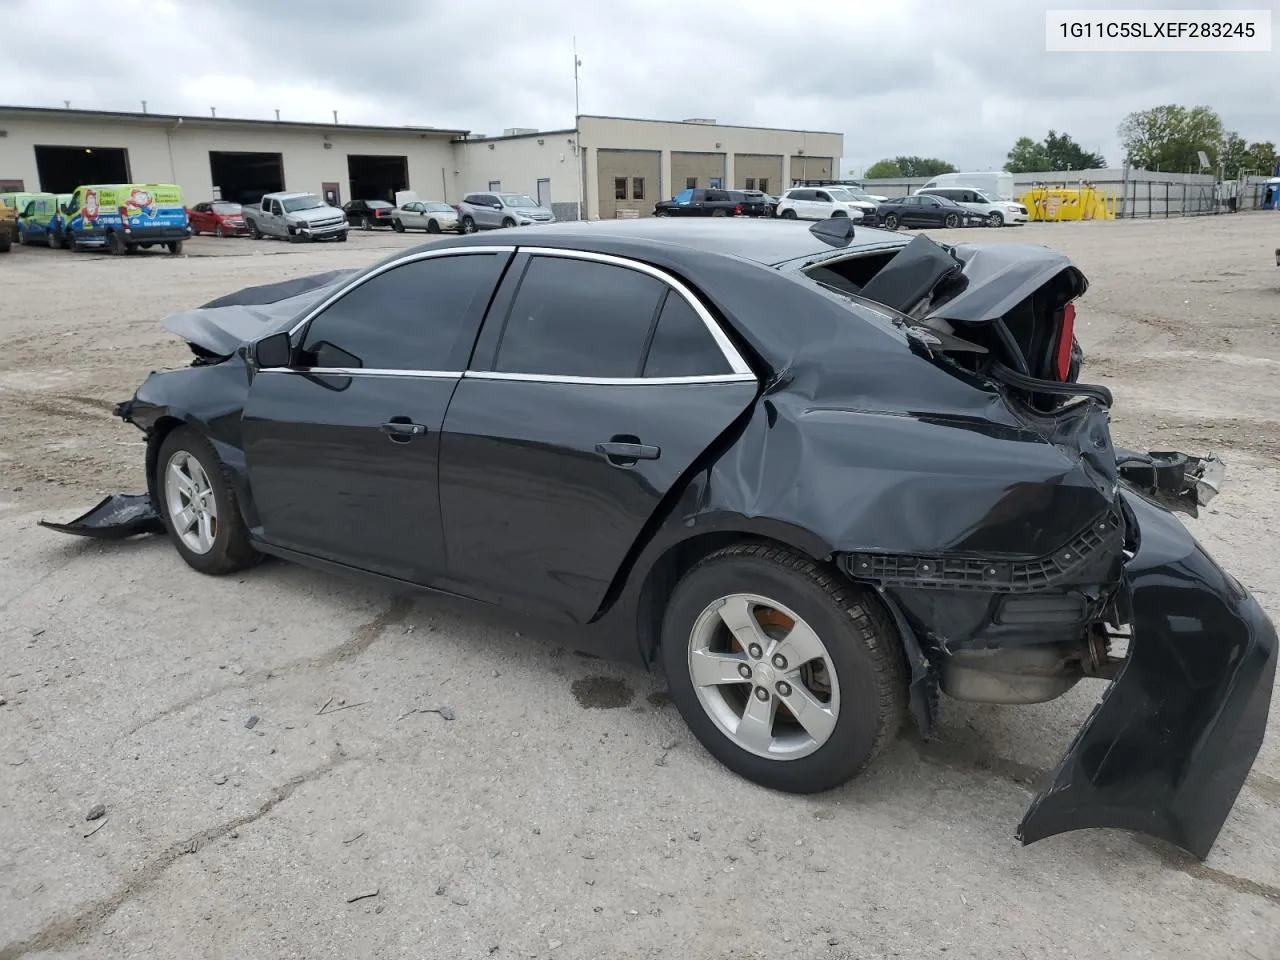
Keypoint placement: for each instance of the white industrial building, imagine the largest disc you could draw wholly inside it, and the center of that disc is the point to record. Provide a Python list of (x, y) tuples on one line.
[(611, 164)]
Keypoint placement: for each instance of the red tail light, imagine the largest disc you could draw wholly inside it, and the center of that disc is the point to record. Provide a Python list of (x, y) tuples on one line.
[(738, 210), (1066, 336)]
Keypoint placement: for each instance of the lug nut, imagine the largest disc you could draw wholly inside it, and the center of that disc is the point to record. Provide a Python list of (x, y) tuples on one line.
[(784, 688), (780, 661), (762, 693), (744, 671), (755, 651)]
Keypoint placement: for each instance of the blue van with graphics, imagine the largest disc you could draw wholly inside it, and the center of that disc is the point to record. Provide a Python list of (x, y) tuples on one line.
[(124, 217)]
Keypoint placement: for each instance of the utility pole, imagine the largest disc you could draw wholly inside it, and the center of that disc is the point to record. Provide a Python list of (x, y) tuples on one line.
[(577, 135)]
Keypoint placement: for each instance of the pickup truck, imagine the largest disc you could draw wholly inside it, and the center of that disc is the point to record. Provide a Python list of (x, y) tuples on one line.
[(696, 202), (295, 217)]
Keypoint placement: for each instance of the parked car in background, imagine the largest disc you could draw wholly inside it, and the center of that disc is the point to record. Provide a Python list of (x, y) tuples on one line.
[(997, 212), (433, 216), (367, 214), (491, 210), (754, 203), (920, 211), (851, 186), (222, 218), (821, 203), (699, 202), (123, 217), (295, 217), (995, 184), (818, 479), (35, 218), (16, 202), (8, 226)]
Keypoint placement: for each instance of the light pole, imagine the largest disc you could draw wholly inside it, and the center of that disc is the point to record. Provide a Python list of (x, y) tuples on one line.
[(577, 134)]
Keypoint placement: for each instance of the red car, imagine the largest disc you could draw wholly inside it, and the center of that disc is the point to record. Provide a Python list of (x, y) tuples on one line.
[(219, 217)]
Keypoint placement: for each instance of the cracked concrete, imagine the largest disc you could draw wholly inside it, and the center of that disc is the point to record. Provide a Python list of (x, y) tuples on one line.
[(528, 820)]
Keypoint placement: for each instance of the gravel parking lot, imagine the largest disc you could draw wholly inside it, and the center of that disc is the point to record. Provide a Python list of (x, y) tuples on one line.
[(295, 766)]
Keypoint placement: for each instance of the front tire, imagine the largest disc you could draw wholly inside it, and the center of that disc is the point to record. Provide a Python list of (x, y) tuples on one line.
[(433, 226), (468, 225), (995, 219), (199, 507), (952, 221), (366, 223), (788, 214), (508, 223), (890, 221), (219, 232), (789, 675)]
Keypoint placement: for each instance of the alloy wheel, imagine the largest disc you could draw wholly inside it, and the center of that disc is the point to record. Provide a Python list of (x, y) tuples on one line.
[(193, 509), (763, 676)]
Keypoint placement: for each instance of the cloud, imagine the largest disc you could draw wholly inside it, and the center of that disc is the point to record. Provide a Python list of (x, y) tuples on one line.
[(957, 81)]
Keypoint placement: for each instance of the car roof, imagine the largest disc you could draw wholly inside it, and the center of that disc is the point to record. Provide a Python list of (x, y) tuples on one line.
[(766, 242)]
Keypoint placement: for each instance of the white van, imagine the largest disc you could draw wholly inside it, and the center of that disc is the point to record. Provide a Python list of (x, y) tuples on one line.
[(997, 186)]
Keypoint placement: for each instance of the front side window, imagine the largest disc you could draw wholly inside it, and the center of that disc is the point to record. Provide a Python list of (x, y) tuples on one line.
[(412, 317), (276, 208), (823, 196), (579, 318)]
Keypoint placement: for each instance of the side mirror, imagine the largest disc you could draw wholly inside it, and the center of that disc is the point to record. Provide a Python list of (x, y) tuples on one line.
[(273, 351)]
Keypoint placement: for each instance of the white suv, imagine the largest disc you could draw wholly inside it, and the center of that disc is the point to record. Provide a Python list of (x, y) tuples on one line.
[(822, 203), (998, 212)]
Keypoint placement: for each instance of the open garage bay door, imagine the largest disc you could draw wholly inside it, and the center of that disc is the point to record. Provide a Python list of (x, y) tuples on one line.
[(245, 177), (377, 177), (62, 169)]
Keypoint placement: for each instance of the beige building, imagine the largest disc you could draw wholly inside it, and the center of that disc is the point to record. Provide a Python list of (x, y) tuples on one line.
[(612, 164)]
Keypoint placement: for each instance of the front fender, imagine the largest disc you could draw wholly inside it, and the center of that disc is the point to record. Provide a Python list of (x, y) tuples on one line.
[(1168, 749)]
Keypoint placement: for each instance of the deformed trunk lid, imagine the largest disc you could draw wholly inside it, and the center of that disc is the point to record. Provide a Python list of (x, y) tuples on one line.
[(1168, 749)]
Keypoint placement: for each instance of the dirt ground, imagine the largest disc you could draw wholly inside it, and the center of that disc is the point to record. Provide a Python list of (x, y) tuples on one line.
[(276, 784)]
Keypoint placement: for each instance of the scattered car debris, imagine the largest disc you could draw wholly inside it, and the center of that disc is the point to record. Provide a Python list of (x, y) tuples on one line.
[(350, 840), (342, 705), (96, 812), (251, 722), (362, 895), (98, 826), (220, 779)]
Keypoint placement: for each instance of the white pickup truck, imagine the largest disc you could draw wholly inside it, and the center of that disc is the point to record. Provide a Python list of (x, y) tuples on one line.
[(295, 217)]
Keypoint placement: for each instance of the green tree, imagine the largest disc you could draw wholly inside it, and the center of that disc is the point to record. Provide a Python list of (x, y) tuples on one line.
[(1057, 151), (1168, 137), (1231, 154), (922, 166), (1261, 158), (883, 170), (1027, 156)]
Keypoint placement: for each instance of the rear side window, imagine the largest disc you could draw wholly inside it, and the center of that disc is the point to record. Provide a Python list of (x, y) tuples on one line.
[(682, 346), (417, 316), (578, 318)]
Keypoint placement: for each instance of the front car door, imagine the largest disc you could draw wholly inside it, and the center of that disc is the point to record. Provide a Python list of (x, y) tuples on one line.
[(275, 219), (342, 446), (823, 205), (411, 216), (596, 382)]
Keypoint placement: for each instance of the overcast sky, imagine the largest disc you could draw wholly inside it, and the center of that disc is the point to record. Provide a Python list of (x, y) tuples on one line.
[(956, 80)]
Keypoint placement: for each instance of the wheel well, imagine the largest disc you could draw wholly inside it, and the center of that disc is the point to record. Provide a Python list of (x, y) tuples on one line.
[(660, 582), (155, 437)]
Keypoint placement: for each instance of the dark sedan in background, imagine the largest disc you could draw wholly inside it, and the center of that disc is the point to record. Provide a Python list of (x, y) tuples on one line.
[(926, 211), (367, 214), (815, 475)]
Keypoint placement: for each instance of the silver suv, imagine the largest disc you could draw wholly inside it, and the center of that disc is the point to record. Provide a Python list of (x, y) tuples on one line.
[(493, 209)]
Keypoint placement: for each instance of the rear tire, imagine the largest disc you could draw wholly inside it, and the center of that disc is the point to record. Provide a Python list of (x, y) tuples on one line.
[(115, 244), (175, 247), (366, 223), (254, 232), (229, 548), (397, 226), (850, 654)]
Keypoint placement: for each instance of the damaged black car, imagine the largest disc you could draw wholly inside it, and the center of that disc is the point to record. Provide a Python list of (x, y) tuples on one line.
[(815, 475)]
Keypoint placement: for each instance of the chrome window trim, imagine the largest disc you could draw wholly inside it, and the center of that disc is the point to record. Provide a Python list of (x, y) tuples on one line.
[(736, 364), (412, 258), (364, 372), (610, 381)]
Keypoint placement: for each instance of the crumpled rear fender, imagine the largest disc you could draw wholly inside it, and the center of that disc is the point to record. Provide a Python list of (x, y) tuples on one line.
[(1168, 749)]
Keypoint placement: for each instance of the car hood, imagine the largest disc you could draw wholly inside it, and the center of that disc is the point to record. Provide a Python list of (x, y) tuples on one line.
[(531, 211), (223, 325), (319, 213)]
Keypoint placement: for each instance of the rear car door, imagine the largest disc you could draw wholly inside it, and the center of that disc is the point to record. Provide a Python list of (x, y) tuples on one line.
[(342, 445), (822, 207), (596, 383)]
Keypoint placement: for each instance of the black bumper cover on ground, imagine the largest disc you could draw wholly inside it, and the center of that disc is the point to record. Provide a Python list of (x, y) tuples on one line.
[(116, 517), (1168, 749)]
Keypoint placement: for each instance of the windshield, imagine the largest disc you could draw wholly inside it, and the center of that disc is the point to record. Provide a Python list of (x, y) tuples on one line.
[(437, 207), (309, 202), (859, 195), (227, 209), (945, 201), (517, 200), (985, 197)]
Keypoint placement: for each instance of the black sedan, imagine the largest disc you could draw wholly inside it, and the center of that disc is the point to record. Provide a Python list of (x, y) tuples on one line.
[(926, 212), (367, 214), (815, 475)]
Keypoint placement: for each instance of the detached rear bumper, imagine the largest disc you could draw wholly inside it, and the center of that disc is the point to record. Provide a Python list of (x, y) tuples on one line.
[(1168, 749)]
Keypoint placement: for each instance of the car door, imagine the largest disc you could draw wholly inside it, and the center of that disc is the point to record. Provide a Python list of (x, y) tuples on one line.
[(411, 216), (823, 206), (275, 219), (596, 382), (490, 211), (342, 445)]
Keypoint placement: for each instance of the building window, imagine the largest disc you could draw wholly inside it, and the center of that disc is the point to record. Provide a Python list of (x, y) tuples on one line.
[(691, 183), (495, 184), (717, 183), (764, 184), (637, 188), (619, 188), (751, 183)]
